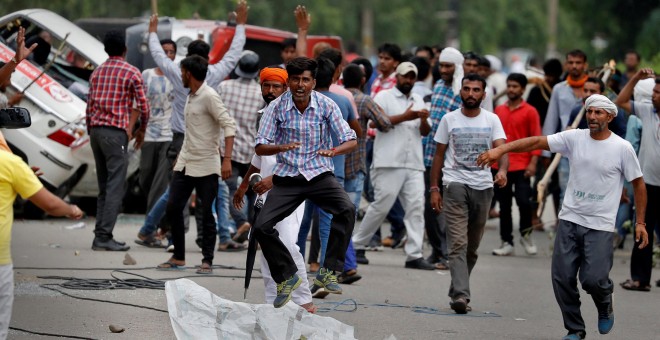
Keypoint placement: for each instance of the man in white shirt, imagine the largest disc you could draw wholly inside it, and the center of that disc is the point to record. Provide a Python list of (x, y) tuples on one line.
[(600, 163), (398, 166), (467, 188)]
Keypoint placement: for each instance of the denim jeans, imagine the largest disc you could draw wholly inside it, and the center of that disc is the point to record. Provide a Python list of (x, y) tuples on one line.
[(155, 214), (353, 188), (221, 211)]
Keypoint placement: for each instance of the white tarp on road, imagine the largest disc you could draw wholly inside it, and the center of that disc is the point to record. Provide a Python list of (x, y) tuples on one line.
[(196, 313)]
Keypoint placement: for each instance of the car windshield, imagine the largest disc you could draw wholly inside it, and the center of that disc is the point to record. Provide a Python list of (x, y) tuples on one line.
[(54, 55)]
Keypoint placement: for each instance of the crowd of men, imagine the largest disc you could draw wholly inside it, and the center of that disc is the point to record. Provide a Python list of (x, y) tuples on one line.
[(432, 140)]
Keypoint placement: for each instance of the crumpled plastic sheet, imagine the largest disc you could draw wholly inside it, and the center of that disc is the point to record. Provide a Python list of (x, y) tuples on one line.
[(196, 313)]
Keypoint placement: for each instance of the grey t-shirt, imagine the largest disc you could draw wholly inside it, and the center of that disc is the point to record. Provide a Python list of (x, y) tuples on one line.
[(649, 149)]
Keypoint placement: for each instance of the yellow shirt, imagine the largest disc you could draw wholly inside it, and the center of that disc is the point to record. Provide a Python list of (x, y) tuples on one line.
[(206, 117), (15, 178)]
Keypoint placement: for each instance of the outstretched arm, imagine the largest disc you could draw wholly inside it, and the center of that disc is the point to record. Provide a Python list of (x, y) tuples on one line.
[(522, 145), (21, 53)]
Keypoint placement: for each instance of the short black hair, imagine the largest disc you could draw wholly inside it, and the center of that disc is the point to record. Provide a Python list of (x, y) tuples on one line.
[(483, 61), (596, 80), (200, 48), (471, 56), (288, 42), (423, 67), (475, 77), (196, 65), (366, 65), (577, 53), (114, 43), (392, 49), (657, 80), (352, 76), (2, 64), (298, 65), (424, 48), (334, 55), (639, 57), (324, 72), (553, 67), (168, 41), (518, 78)]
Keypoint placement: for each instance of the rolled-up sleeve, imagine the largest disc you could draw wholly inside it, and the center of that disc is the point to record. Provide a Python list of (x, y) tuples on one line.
[(222, 116), (339, 126), (267, 127)]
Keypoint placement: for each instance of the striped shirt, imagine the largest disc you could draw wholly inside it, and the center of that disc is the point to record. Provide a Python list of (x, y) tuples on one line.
[(282, 123), (243, 99), (443, 101), (113, 87)]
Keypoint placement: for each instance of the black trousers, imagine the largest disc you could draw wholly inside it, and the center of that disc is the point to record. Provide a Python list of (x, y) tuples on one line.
[(641, 261), (109, 146), (287, 194), (181, 187), (519, 187)]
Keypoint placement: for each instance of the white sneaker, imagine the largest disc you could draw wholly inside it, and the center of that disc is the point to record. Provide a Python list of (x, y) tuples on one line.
[(170, 248), (528, 243), (505, 250)]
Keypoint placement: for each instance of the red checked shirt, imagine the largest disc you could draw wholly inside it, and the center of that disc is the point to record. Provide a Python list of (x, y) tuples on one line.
[(113, 88), (521, 122), (381, 83)]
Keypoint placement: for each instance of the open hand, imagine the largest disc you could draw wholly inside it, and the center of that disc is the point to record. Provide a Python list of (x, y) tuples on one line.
[(489, 157), (303, 18), (327, 153), (21, 51), (238, 197), (242, 12), (290, 146)]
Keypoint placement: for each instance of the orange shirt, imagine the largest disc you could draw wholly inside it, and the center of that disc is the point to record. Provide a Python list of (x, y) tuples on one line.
[(521, 122)]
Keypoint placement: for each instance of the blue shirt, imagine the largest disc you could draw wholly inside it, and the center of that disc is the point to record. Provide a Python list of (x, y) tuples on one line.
[(282, 123), (347, 114)]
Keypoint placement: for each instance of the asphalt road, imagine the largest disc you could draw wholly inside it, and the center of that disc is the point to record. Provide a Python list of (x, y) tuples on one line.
[(512, 297)]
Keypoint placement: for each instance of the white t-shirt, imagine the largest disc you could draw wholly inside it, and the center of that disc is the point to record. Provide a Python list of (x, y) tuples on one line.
[(466, 139), (598, 170), (649, 148)]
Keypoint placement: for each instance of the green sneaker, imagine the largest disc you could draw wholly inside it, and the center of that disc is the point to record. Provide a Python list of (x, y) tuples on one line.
[(326, 279), (284, 290)]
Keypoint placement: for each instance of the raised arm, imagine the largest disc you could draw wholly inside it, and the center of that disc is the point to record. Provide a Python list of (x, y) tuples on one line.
[(303, 21), (21, 53), (522, 145), (219, 71), (170, 69), (623, 100)]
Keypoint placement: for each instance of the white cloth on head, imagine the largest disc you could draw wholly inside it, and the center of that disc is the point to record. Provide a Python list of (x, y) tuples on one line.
[(454, 56), (599, 101), (495, 62), (644, 90)]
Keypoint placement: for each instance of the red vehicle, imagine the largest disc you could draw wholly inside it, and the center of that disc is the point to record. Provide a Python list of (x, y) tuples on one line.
[(266, 42)]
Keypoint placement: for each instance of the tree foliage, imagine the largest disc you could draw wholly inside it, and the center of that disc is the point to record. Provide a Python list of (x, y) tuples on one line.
[(485, 26)]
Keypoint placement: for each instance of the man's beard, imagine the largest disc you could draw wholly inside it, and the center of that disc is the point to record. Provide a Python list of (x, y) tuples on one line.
[(513, 97), (404, 88), (269, 98), (471, 103)]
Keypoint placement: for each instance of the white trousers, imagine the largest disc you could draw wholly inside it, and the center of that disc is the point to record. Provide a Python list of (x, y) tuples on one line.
[(288, 229), (408, 186), (6, 298)]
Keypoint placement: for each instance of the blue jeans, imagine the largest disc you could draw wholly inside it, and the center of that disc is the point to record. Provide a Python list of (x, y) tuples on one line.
[(353, 188), (155, 214), (221, 211)]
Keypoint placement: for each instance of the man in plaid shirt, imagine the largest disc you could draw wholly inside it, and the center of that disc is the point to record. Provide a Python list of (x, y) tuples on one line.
[(297, 128), (444, 99), (243, 99), (113, 88)]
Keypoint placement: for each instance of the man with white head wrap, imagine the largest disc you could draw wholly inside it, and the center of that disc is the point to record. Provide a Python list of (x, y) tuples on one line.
[(445, 98), (497, 79), (600, 162), (641, 261)]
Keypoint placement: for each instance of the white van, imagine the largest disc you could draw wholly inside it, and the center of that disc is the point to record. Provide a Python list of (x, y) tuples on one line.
[(57, 141)]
